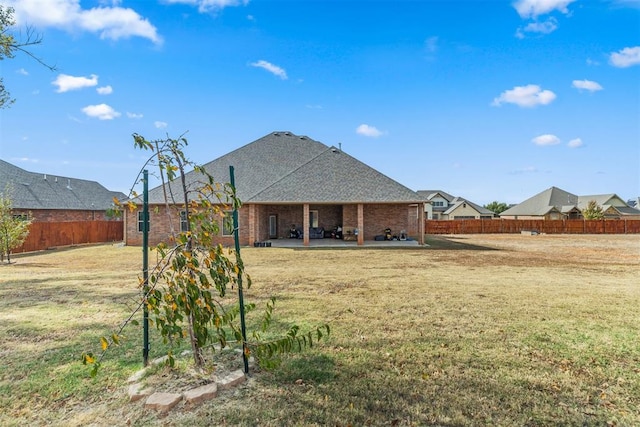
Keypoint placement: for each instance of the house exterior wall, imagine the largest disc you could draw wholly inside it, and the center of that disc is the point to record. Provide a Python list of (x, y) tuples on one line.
[(464, 211), (254, 221), (62, 215), (377, 217), (436, 206), (159, 226)]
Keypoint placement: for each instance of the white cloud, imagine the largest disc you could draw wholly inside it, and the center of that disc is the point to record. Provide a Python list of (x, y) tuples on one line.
[(626, 57), (104, 90), (546, 27), (66, 82), (205, 6), (101, 111), (535, 8), (273, 69), (110, 22), (367, 130), (160, 125), (431, 44), (134, 115), (575, 143), (525, 96), (546, 139), (23, 72), (589, 85), (527, 169)]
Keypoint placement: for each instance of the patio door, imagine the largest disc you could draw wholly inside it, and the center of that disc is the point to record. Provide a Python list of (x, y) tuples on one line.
[(273, 226)]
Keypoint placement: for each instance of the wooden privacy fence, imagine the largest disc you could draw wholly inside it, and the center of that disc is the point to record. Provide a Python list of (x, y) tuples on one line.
[(560, 226), (47, 235)]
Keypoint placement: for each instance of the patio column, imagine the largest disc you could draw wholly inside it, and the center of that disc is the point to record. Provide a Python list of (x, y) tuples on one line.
[(360, 224), (305, 224), (421, 207), (252, 225)]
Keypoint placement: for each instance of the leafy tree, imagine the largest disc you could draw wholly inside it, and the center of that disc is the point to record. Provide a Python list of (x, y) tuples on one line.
[(497, 207), (9, 45), (187, 292), (593, 211), (14, 229)]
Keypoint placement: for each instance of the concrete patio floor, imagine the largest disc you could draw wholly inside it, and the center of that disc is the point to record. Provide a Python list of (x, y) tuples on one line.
[(337, 243)]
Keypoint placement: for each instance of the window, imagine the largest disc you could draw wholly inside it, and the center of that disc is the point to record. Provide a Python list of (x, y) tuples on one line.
[(438, 204), (227, 224), (184, 225), (141, 221), (313, 218)]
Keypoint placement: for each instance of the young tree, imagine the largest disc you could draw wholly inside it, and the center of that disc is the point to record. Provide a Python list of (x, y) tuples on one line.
[(14, 229), (593, 211), (9, 45), (187, 290), (497, 207)]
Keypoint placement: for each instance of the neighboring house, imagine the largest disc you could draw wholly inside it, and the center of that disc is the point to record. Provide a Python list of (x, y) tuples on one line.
[(48, 197), (286, 180), (555, 203), (444, 206), (634, 203)]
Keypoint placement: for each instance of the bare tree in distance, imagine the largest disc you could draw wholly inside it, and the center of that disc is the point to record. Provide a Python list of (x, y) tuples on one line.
[(10, 45)]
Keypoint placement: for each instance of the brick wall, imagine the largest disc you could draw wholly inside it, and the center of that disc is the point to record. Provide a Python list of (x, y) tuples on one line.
[(61, 215)]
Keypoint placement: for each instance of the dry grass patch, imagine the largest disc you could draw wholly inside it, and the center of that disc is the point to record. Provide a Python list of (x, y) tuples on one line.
[(473, 330)]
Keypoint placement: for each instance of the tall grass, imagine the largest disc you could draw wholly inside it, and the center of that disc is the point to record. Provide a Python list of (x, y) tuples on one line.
[(473, 330)]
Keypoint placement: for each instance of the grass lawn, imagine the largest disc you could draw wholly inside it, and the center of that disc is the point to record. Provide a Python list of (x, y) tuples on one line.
[(473, 330)]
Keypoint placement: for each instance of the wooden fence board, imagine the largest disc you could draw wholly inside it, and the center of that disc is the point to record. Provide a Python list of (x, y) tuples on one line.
[(47, 235), (561, 226)]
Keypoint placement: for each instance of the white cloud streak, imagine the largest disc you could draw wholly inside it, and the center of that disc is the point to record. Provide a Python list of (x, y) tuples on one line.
[(626, 57), (208, 6), (525, 96), (66, 82), (273, 69), (134, 115), (575, 143), (366, 130), (101, 112), (547, 139), (160, 125), (104, 90), (109, 22), (534, 8), (589, 85)]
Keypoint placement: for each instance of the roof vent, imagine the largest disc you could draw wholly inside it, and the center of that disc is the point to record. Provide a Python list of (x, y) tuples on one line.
[(288, 133), (69, 185), (45, 176), (276, 134)]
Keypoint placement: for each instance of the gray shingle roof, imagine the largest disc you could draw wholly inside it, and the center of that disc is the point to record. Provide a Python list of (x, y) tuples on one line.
[(31, 190), (542, 203), (285, 168), (562, 201), (430, 194)]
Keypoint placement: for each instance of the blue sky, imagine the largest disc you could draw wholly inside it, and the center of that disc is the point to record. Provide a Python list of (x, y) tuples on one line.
[(487, 100)]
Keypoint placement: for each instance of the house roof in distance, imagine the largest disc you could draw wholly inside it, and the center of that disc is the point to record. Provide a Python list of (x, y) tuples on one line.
[(282, 167), (562, 201), (33, 190)]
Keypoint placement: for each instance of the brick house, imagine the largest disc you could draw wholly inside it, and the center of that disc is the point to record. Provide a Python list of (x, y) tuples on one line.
[(284, 181), (52, 198)]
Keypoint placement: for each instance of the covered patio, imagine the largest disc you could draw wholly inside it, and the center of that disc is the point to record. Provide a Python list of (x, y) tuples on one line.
[(338, 243)]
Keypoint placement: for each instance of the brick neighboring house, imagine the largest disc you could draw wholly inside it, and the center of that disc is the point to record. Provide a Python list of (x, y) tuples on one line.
[(555, 203), (284, 179), (53, 198)]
